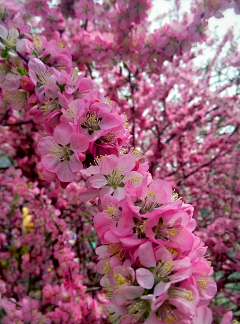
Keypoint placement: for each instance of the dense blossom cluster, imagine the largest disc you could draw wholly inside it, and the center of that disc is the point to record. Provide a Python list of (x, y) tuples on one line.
[(45, 266), (155, 269)]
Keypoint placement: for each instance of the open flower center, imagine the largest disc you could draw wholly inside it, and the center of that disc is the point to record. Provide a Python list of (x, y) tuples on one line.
[(149, 202), (120, 279), (165, 232), (108, 138), (63, 152), (117, 249), (92, 123), (164, 269), (166, 313), (113, 317), (19, 97), (10, 41), (48, 106), (115, 179), (113, 212), (44, 78), (178, 292), (138, 309)]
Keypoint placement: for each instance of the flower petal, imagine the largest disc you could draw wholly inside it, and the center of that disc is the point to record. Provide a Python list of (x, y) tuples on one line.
[(78, 142), (3, 32), (74, 163), (64, 172), (62, 134), (145, 278), (161, 288), (98, 181), (146, 255)]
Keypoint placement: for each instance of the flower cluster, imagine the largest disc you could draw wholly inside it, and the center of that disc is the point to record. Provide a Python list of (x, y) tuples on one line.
[(154, 266), (43, 282), (80, 123)]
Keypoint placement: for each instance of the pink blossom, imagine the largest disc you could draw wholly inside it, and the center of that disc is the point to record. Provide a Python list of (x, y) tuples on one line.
[(60, 152)]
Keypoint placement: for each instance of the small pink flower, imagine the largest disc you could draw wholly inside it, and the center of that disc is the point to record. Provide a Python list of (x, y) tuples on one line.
[(169, 225), (113, 174), (60, 152), (26, 83)]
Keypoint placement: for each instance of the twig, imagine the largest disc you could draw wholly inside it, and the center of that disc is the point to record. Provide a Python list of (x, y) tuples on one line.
[(19, 123), (9, 299), (23, 57)]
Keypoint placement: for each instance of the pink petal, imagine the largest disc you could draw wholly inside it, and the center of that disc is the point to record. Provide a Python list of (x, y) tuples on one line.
[(145, 278), (110, 121), (203, 315), (108, 164), (46, 144), (91, 170), (102, 224), (131, 292), (120, 299), (98, 181), (63, 171), (37, 66), (227, 318), (120, 193), (74, 163), (62, 134), (130, 241), (110, 237), (126, 163), (89, 194), (162, 189), (161, 288), (152, 319), (50, 162), (3, 32), (146, 255), (100, 266), (78, 142), (163, 254), (159, 301)]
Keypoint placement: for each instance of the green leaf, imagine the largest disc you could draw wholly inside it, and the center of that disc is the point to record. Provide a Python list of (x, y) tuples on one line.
[(153, 270), (4, 54), (166, 280), (35, 54), (138, 203), (61, 86), (44, 59), (22, 71)]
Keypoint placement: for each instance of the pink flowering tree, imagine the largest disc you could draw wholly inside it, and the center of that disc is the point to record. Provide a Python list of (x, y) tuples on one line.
[(81, 83)]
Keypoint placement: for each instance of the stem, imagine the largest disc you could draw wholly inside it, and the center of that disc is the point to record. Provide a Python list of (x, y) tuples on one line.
[(19, 123), (23, 57), (9, 299), (93, 288), (90, 70), (85, 25)]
